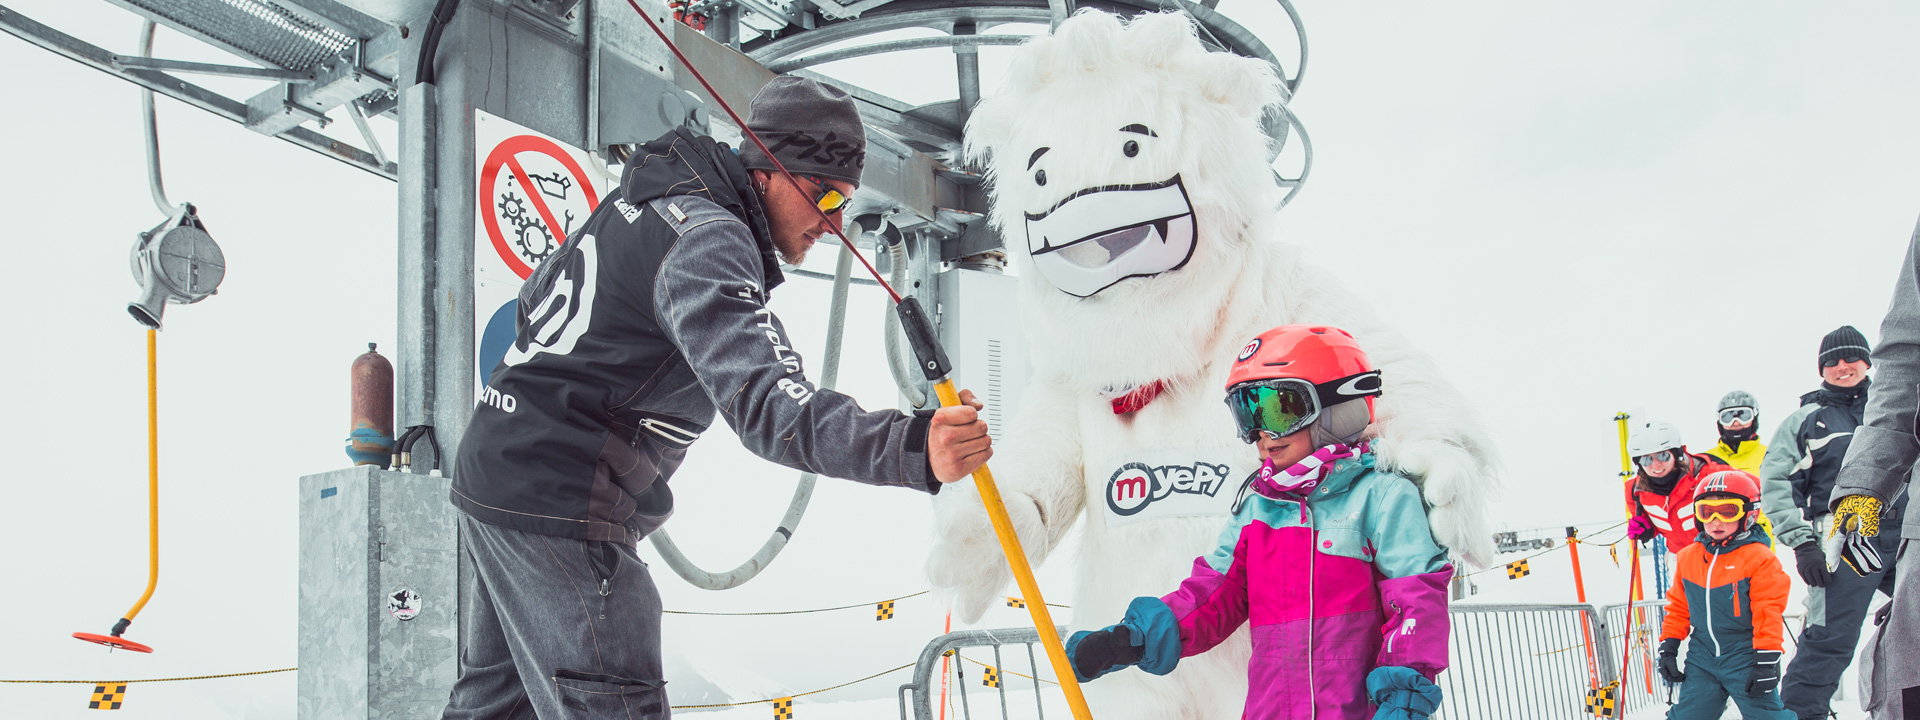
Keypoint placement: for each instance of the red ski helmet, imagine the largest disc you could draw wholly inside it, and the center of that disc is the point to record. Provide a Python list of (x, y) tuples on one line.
[(1736, 483), (1729, 482), (1282, 380)]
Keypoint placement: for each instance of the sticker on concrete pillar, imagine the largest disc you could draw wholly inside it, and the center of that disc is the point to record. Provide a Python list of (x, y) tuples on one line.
[(404, 604)]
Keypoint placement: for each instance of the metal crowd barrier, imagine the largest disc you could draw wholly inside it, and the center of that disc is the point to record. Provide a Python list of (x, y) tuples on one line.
[(1640, 683), (923, 688), (1507, 662), (1522, 661)]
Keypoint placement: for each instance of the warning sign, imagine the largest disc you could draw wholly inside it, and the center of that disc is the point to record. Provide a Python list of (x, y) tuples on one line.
[(533, 191)]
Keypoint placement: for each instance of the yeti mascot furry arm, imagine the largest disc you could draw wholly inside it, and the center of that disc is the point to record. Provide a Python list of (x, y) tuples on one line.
[(1130, 177)]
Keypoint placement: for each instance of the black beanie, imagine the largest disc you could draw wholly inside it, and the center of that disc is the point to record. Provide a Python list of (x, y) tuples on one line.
[(813, 128), (1844, 342)]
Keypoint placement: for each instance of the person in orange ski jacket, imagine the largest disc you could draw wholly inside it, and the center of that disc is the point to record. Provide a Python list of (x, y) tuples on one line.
[(1729, 592)]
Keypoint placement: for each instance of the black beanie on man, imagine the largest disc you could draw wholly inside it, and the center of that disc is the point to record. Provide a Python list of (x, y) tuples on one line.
[(813, 128), (1843, 343)]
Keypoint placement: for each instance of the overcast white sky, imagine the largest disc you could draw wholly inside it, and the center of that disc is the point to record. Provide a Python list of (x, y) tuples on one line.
[(1575, 209)]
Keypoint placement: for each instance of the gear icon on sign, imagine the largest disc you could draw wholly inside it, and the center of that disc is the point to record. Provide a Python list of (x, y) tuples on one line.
[(534, 239)]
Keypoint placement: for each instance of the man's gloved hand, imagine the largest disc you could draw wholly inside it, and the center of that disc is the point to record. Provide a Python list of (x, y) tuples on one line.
[(1859, 553), (1765, 675), (1098, 652), (1670, 661), (1856, 519), (1856, 513), (1401, 693), (1811, 561), (1641, 529)]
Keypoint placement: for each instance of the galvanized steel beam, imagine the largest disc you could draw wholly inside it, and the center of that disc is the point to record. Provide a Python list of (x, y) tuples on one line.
[(99, 59), (199, 68), (958, 42)]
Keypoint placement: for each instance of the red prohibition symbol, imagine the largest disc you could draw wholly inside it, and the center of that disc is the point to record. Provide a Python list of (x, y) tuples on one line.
[(506, 154)]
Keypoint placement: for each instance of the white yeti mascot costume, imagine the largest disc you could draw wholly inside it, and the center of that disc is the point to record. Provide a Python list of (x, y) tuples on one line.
[(1130, 177)]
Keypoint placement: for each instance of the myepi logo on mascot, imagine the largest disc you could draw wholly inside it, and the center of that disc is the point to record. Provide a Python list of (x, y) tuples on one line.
[(1181, 487)]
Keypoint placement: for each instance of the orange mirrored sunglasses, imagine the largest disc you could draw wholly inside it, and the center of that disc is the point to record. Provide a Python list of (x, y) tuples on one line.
[(830, 199)]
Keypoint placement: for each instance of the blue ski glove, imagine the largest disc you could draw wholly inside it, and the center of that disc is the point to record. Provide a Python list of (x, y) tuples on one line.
[(1402, 694), (1098, 652), (1148, 636)]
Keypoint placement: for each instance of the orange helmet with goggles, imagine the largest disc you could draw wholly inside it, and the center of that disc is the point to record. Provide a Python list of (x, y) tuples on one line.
[(1290, 377), (1727, 496)]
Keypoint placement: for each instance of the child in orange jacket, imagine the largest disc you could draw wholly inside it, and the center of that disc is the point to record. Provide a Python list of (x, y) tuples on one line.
[(1729, 592)]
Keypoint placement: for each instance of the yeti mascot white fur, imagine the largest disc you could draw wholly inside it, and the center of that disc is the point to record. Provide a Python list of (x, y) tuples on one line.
[(1134, 137)]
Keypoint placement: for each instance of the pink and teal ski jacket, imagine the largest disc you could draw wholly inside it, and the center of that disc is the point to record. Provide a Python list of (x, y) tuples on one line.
[(1335, 586)]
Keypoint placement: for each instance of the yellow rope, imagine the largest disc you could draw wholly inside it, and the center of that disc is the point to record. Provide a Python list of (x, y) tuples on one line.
[(1556, 548), (1004, 670), (149, 680), (795, 695), (816, 610), (798, 612)]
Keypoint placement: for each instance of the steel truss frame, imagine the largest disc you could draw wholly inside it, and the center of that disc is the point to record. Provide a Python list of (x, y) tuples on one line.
[(353, 76)]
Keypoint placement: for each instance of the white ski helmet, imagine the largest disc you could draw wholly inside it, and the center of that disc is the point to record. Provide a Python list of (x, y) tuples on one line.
[(1652, 437), (1739, 399)]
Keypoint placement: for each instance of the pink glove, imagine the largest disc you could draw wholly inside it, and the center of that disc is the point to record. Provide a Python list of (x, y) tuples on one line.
[(1641, 529)]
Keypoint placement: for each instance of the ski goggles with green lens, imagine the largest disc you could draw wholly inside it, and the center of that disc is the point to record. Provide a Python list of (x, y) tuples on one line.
[(1733, 415), (1283, 406)]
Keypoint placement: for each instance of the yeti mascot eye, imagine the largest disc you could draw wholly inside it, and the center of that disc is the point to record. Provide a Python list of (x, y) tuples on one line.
[(1101, 235)]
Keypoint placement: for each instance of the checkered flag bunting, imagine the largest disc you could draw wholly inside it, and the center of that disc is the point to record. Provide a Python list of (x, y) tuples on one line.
[(1604, 701), (783, 709), (990, 677), (1518, 569), (108, 697), (1014, 602), (883, 611)]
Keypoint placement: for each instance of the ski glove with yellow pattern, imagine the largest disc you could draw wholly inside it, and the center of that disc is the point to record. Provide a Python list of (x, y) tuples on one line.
[(1856, 518)]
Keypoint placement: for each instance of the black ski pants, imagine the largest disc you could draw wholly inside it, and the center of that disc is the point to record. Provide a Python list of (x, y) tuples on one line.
[(1835, 616), (556, 629)]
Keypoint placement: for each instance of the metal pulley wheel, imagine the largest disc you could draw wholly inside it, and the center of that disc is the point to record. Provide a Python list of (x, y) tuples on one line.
[(175, 262)]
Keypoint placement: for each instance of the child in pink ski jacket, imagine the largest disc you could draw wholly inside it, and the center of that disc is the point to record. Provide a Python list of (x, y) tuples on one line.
[(1328, 557)]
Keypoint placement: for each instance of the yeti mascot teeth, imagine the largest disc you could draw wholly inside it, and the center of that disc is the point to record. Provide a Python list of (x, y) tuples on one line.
[(1130, 178)]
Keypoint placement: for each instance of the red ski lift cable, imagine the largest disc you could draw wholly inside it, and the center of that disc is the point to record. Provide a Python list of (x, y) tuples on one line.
[(933, 362), (755, 139)]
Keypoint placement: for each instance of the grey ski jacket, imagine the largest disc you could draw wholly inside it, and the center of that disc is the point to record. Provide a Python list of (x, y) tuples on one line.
[(1881, 460), (651, 318), (1798, 472)]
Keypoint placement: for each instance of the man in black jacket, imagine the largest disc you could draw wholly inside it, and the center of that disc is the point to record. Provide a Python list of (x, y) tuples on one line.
[(649, 319), (1798, 477)]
